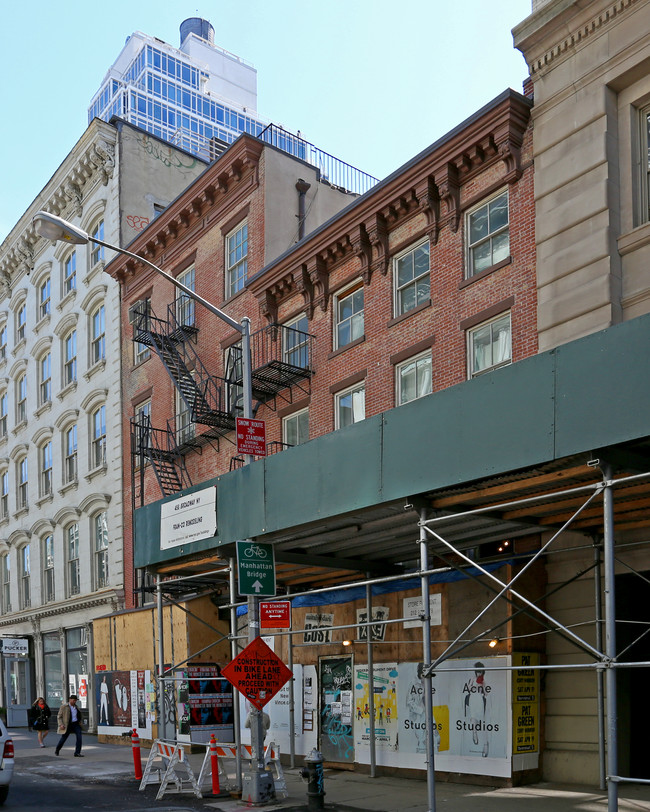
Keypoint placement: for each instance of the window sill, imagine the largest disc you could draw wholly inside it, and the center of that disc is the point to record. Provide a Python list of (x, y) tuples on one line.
[(20, 345), (490, 369), (412, 312), (635, 239), (22, 512), (478, 276), (100, 366), (44, 407), (68, 486), (142, 360), (69, 297), (42, 323), (19, 427), (48, 497), (92, 273), (67, 389), (349, 346), (99, 471)]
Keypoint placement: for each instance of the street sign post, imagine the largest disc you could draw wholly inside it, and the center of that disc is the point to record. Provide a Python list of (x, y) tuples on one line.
[(255, 569), (251, 436), (275, 614), (257, 672)]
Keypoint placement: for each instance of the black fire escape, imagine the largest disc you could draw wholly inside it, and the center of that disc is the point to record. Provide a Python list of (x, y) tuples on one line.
[(281, 359)]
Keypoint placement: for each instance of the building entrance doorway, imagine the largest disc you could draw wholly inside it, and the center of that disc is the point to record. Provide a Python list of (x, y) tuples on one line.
[(336, 739), (633, 617), (18, 681)]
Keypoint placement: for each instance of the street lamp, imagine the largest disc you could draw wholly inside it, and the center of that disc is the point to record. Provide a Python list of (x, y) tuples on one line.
[(55, 228)]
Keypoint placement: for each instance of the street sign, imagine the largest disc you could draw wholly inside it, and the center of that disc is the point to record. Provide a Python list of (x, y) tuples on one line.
[(251, 436), (256, 569), (257, 673), (275, 614)]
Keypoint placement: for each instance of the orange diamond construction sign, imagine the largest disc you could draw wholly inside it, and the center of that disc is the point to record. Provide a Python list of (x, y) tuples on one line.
[(257, 673)]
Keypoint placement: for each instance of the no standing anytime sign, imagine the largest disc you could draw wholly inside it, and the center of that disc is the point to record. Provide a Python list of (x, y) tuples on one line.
[(257, 673)]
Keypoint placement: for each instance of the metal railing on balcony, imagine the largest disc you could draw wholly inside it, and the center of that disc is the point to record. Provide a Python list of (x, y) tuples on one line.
[(332, 170), (281, 357)]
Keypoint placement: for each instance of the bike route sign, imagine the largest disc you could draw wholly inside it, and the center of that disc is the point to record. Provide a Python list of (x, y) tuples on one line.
[(257, 672), (255, 568)]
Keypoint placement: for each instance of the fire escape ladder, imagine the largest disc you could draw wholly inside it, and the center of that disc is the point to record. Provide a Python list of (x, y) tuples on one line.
[(199, 390), (159, 448)]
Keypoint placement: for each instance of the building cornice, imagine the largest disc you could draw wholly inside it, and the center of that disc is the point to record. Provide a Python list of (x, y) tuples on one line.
[(558, 28), (214, 192), (91, 161), (33, 616), (428, 185)]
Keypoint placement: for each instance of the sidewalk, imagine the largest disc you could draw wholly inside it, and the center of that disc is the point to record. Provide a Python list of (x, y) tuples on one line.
[(345, 791)]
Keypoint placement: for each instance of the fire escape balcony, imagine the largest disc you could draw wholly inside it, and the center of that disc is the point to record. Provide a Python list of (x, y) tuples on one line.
[(281, 358), (206, 396)]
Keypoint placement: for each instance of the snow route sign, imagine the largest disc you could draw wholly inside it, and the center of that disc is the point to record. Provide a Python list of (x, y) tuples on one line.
[(257, 673)]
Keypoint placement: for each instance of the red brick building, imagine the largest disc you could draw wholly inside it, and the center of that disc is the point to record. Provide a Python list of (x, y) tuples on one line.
[(424, 281)]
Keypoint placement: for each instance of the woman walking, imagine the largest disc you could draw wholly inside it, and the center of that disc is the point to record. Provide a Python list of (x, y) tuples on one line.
[(41, 719)]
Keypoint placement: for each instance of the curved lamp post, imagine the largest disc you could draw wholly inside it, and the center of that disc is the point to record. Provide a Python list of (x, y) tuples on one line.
[(55, 228)]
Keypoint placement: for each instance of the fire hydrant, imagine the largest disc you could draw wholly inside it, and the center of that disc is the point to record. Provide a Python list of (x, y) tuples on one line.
[(313, 772)]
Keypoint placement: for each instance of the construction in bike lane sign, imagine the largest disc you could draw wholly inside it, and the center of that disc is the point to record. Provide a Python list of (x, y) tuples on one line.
[(255, 568), (257, 672)]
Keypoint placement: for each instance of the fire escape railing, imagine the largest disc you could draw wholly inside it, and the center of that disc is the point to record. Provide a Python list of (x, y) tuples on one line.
[(160, 448)]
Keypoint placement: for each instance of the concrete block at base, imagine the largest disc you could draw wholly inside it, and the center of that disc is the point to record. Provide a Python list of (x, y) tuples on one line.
[(564, 766)]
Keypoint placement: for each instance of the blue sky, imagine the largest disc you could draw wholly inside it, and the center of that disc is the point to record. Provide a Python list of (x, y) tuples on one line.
[(370, 81)]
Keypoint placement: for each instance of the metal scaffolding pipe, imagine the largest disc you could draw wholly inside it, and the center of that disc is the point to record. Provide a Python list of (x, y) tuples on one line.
[(610, 638), (600, 677), (371, 684), (235, 694), (426, 656)]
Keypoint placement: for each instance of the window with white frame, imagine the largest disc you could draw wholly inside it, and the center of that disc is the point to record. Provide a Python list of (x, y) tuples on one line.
[(73, 585), (70, 273), (236, 259), (4, 495), (22, 479), (97, 251), (413, 378), (45, 378), (350, 405), (25, 576), (44, 299), (295, 428), (185, 428), (141, 351), (46, 468), (70, 454), (100, 535), (70, 358), (48, 569), (98, 335), (21, 321), (3, 343), (21, 398), (4, 409), (489, 345), (185, 303), (6, 583), (348, 314), (488, 234), (411, 278), (295, 343), (98, 441)]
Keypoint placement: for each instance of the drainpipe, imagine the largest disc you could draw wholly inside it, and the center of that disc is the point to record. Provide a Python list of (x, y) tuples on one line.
[(302, 186)]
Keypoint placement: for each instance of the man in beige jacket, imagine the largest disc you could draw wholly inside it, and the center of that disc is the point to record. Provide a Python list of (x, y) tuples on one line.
[(69, 721)]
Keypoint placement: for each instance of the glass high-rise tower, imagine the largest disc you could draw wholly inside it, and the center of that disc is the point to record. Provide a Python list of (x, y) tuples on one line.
[(201, 98)]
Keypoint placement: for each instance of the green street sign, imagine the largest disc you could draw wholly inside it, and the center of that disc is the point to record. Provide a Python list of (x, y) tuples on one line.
[(255, 568)]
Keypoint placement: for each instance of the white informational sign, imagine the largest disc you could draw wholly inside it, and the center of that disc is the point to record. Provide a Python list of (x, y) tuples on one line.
[(378, 631), (14, 645), (189, 518), (412, 608)]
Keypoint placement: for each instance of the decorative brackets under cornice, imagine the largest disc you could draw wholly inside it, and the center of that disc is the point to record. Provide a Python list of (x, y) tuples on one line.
[(304, 286), (377, 231), (449, 192), (429, 204), (319, 279)]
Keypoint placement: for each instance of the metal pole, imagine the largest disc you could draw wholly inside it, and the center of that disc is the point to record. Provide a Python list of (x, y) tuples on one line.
[(610, 639), (292, 710), (162, 726), (426, 651), (371, 684), (600, 677), (233, 654)]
